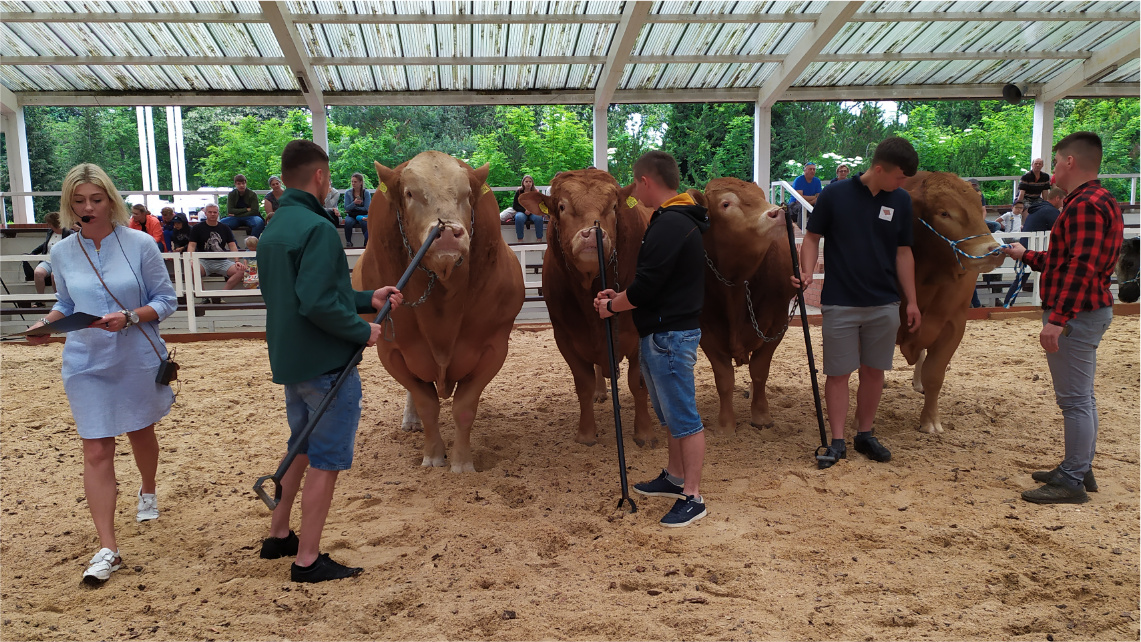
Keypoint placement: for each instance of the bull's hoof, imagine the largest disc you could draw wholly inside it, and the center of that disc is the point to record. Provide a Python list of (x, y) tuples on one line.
[(599, 397), (762, 424), (586, 440), (931, 428), (412, 426), (917, 387), (467, 467), (437, 462), (646, 442)]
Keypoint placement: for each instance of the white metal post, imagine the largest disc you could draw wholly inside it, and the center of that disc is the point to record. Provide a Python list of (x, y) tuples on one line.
[(762, 145), (1043, 139), (1133, 191), (181, 150), (152, 157), (601, 138), (321, 129), (172, 147), (19, 171), (144, 163)]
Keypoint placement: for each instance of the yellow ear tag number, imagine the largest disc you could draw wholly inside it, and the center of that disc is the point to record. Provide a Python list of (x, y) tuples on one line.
[(631, 201), (543, 208), (383, 188), (485, 189)]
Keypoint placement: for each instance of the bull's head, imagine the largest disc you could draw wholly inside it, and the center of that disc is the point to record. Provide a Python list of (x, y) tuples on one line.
[(741, 221), (429, 188), (951, 206), (577, 200)]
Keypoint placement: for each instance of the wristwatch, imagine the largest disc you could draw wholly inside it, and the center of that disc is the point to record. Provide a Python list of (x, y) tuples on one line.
[(132, 318), (608, 306)]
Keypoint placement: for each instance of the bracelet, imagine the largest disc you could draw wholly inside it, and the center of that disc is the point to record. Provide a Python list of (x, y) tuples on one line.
[(609, 308), (43, 321)]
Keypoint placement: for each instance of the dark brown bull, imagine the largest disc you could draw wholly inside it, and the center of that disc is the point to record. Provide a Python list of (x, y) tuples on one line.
[(747, 245), (943, 283), (570, 281)]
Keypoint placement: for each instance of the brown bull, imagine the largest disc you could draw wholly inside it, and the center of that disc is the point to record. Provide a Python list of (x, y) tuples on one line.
[(571, 279), (943, 283), (451, 333), (747, 298)]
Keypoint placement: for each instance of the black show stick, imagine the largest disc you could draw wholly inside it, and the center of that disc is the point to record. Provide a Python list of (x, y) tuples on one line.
[(613, 379)]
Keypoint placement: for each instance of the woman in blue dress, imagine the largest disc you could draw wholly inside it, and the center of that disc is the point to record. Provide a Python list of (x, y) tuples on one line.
[(109, 368)]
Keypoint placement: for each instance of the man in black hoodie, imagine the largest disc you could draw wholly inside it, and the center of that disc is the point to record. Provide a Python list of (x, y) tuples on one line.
[(666, 298)]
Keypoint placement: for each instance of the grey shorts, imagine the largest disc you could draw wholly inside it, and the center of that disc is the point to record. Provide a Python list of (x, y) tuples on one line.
[(858, 336), (45, 266), (217, 267)]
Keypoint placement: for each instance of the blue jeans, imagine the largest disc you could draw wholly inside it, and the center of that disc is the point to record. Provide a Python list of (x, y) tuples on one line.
[(521, 219), (667, 360), (255, 223), (1072, 369), (356, 221), (330, 445)]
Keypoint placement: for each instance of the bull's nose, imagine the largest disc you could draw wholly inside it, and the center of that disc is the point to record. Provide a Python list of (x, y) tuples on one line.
[(586, 233), (774, 213), (453, 232)]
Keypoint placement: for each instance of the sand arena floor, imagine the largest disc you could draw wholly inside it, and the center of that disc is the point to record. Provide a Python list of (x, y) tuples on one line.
[(935, 544)]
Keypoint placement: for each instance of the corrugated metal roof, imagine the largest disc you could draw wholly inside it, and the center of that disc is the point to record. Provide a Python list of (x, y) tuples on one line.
[(957, 40)]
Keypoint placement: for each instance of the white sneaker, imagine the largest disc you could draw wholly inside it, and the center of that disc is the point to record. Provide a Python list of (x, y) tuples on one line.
[(101, 566), (148, 507)]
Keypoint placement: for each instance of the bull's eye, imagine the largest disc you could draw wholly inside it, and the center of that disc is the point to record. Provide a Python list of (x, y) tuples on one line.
[(562, 207), (725, 205), (945, 214), (408, 193)]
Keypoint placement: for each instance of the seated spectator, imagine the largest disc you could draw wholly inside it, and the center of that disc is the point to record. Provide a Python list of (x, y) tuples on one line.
[(167, 225), (808, 186), (332, 200), (1033, 183), (357, 201), (243, 209), (1012, 221), (211, 236), (1043, 212), (978, 190), (842, 171), (270, 202), (180, 233), (55, 235), (522, 216), (250, 280), (142, 220)]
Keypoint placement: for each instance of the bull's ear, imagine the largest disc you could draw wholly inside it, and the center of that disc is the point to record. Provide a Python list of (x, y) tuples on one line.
[(698, 197), (482, 172), (386, 176), (536, 201)]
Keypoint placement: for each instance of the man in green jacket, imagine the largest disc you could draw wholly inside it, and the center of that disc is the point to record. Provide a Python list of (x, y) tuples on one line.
[(312, 330)]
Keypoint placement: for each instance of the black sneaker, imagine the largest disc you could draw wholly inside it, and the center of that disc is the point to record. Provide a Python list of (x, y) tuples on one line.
[(1056, 493), (273, 548), (685, 512), (832, 454), (660, 487), (322, 570), (1047, 476), (867, 444)]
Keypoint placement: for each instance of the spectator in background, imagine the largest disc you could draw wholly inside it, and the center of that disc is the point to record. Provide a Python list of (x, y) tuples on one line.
[(1033, 183), (522, 216), (991, 225), (357, 201), (332, 200), (842, 171), (242, 208), (808, 186), (210, 236), (142, 220), (167, 225), (1045, 211), (179, 233), (1011, 221), (55, 235), (270, 202)]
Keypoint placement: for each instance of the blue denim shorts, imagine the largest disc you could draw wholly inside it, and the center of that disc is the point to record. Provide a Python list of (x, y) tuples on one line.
[(667, 360), (330, 445)]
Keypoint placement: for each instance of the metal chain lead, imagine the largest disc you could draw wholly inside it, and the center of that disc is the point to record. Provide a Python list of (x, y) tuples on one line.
[(431, 275), (749, 305)]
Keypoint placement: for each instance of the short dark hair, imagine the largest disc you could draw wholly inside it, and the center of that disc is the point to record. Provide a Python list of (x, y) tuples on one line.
[(297, 160), (1054, 192), (1019, 204), (661, 166), (897, 152), (1084, 146), (240, 178)]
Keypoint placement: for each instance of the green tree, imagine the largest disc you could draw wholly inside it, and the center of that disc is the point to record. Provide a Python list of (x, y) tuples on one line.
[(633, 130), (252, 148)]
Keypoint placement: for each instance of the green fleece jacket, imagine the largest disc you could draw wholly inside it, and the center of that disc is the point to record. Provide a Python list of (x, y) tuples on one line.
[(311, 322)]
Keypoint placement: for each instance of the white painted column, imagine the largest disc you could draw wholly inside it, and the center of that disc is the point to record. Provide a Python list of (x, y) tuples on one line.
[(144, 162), (321, 129), (601, 138), (182, 184), (152, 157), (762, 146), (172, 147), (1043, 139), (19, 171)]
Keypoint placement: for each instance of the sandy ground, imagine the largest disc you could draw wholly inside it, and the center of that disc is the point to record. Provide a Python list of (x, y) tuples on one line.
[(935, 544)]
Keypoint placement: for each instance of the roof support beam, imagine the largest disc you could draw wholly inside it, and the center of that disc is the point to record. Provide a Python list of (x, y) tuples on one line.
[(1043, 140), (1102, 62), (16, 146), (806, 50), (157, 17), (886, 16), (293, 48), (625, 36)]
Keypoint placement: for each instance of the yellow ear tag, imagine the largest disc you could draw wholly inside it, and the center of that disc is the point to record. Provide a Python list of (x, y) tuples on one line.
[(485, 189), (383, 188), (631, 201), (543, 208)]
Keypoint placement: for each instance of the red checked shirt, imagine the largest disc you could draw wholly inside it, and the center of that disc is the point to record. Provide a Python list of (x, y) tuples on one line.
[(1084, 244)]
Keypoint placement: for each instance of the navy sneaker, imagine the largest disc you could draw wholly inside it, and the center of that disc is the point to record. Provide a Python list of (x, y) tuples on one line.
[(273, 548), (322, 570), (867, 444), (685, 512), (1047, 476), (660, 487)]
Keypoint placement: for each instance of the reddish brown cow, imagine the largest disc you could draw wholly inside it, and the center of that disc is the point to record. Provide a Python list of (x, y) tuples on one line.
[(571, 279), (451, 333), (747, 299), (943, 284)]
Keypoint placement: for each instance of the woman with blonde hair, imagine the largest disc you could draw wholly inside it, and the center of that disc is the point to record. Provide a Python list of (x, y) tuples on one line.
[(109, 368)]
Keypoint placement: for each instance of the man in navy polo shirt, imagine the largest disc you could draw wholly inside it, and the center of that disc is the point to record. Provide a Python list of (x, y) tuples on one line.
[(867, 221)]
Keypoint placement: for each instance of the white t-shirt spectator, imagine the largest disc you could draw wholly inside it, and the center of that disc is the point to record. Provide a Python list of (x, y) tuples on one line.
[(1011, 222)]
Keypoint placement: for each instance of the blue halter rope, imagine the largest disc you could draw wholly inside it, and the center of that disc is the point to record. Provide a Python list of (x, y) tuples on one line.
[(1019, 267)]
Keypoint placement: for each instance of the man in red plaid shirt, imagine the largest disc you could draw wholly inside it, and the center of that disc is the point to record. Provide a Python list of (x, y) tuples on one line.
[(1084, 244)]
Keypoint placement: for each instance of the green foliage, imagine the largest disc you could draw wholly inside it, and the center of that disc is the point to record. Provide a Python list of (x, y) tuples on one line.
[(633, 130), (253, 148)]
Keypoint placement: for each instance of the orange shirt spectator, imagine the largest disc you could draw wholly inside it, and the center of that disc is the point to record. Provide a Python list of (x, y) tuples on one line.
[(142, 220)]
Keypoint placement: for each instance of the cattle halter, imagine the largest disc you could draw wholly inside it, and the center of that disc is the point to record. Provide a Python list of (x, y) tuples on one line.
[(432, 277), (1019, 266)]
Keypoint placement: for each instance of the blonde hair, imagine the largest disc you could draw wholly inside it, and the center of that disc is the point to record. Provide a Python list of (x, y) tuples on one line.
[(91, 173)]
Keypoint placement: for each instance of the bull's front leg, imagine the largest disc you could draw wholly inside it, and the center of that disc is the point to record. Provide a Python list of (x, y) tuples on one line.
[(759, 364), (425, 402), (584, 380), (599, 385), (934, 370), (724, 379), (466, 403), (643, 429)]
